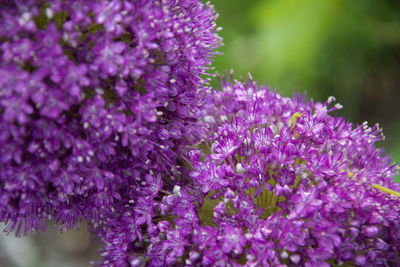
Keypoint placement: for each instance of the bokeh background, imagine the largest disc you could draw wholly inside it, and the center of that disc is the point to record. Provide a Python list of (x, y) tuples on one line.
[(348, 49)]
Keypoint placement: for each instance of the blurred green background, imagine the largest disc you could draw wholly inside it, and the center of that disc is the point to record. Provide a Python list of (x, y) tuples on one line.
[(348, 49)]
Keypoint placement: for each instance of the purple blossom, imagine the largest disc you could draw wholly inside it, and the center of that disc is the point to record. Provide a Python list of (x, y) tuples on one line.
[(106, 117), (285, 183), (97, 99), (232, 239)]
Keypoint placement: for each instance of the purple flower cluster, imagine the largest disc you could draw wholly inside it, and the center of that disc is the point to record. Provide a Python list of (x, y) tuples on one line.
[(96, 100), (280, 183), (106, 117)]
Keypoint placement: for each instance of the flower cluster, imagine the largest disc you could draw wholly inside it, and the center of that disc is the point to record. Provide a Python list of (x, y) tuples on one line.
[(106, 116), (96, 100), (281, 183)]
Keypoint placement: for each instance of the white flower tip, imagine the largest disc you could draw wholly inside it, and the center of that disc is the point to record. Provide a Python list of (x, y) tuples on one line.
[(338, 106), (240, 169), (177, 190)]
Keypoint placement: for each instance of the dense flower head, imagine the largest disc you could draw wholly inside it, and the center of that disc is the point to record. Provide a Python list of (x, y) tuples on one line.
[(106, 116), (96, 99), (281, 182)]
